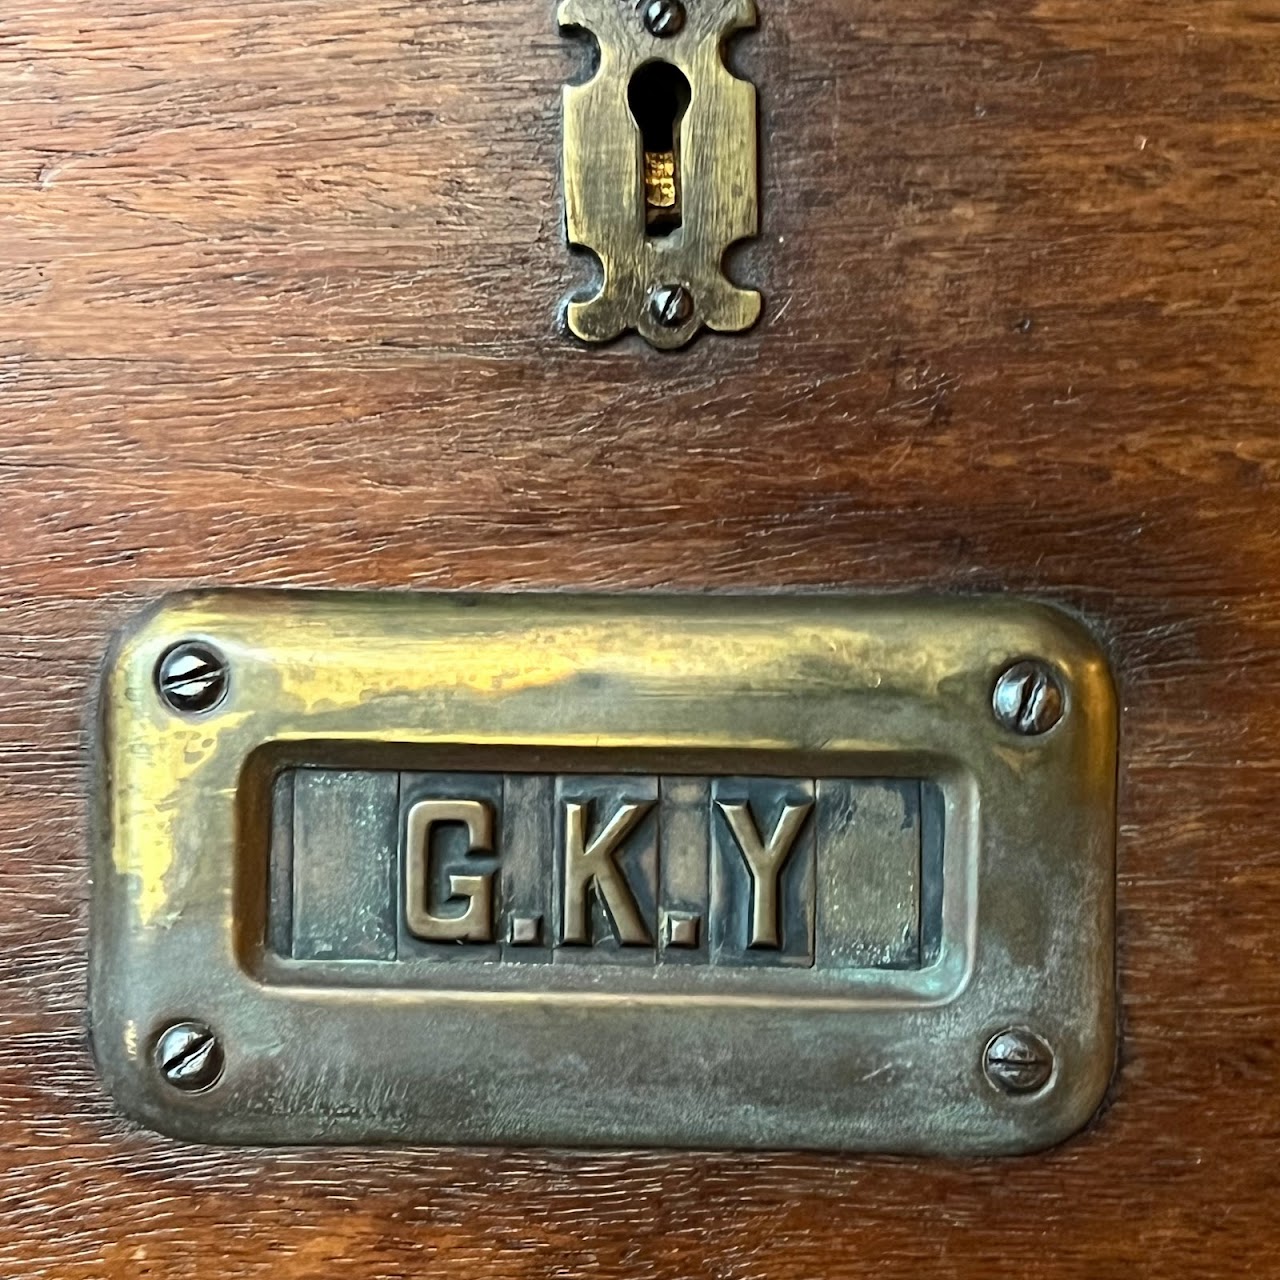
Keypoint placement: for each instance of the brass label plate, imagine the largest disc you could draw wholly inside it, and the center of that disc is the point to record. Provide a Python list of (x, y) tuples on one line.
[(654, 871)]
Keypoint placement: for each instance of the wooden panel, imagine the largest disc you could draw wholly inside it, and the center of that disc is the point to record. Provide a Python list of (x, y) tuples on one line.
[(279, 284)]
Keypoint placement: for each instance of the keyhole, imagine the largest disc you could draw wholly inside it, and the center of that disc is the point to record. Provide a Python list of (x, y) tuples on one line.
[(659, 96)]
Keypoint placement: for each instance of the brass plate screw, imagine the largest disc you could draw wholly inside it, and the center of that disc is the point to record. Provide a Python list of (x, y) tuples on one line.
[(671, 305), (664, 18), (190, 1057), (1029, 698), (192, 678), (1018, 1061)]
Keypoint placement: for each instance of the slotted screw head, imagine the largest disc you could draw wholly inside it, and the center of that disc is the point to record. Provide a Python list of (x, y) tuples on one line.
[(189, 1056), (664, 18), (1028, 698), (1018, 1061), (192, 677), (671, 305)]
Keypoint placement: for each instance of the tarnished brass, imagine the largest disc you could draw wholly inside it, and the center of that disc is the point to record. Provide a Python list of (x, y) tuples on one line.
[(475, 924), (590, 864), (765, 862), (491, 869), (660, 170), (606, 859)]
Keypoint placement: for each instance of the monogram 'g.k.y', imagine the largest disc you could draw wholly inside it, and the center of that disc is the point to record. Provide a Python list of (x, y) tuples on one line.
[(816, 872)]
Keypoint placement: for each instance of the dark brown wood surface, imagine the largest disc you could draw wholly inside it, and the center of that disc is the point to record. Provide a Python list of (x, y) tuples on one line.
[(278, 296)]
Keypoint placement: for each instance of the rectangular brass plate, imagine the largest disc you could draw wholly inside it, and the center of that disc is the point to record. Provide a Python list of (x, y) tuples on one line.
[(586, 870)]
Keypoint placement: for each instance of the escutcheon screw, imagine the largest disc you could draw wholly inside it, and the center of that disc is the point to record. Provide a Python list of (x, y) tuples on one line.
[(1017, 1062), (664, 18), (671, 305), (1028, 698), (189, 1056), (192, 678)]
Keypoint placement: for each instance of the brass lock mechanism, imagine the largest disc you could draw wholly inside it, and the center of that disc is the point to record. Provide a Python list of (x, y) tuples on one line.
[(660, 169)]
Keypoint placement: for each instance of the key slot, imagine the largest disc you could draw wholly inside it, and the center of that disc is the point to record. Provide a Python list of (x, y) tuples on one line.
[(658, 96)]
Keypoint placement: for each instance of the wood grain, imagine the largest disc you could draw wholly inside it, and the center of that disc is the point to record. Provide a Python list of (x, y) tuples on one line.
[(279, 285)]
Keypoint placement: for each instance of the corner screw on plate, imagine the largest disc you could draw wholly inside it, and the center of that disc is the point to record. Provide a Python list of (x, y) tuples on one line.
[(671, 305), (1017, 1061), (192, 677), (189, 1056), (664, 18), (1029, 698)]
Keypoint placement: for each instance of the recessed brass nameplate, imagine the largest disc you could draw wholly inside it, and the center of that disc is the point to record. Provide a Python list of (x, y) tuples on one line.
[(810, 872)]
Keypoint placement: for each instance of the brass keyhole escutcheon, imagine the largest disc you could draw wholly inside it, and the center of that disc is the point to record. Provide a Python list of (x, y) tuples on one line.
[(660, 170)]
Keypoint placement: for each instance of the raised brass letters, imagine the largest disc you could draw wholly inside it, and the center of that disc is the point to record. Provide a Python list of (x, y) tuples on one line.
[(590, 863), (475, 924), (618, 874), (765, 862)]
